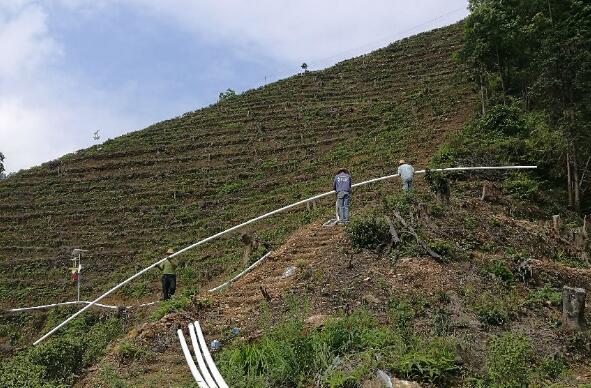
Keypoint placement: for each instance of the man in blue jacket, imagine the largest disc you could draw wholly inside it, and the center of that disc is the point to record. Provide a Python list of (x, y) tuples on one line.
[(342, 185)]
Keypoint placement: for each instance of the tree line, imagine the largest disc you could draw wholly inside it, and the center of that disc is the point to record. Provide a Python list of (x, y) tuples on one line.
[(536, 55)]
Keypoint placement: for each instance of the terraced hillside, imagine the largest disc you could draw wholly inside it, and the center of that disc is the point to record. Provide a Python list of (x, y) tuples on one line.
[(177, 181)]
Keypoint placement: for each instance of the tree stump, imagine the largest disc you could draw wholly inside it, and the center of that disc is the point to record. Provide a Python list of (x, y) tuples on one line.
[(556, 224), (248, 242), (490, 193), (573, 308)]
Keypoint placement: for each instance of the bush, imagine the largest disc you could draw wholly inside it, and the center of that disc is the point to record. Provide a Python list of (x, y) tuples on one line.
[(495, 309), (168, 306), (501, 271), (60, 357), (521, 186), (128, 352), (508, 361), (19, 371), (431, 362), (368, 233), (546, 294)]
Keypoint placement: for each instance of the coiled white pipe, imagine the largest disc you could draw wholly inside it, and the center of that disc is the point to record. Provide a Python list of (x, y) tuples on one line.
[(251, 221)]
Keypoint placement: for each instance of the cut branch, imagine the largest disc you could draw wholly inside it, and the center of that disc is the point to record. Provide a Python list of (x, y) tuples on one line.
[(421, 243)]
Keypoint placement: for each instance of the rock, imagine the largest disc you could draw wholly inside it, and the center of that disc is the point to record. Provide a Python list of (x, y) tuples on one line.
[(289, 271), (395, 383), (371, 299), (316, 321)]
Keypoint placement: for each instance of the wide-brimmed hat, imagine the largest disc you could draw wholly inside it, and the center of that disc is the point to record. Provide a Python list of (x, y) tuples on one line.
[(170, 251), (401, 161)]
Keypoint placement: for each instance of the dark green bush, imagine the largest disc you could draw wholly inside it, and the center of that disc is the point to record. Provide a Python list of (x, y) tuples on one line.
[(501, 271), (128, 352), (430, 362), (61, 357), (368, 233), (508, 361), (495, 309), (520, 185)]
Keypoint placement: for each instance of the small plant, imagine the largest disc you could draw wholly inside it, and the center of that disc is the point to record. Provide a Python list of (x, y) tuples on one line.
[(551, 367), (521, 186), (368, 233), (443, 248), (495, 309), (431, 362), (128, 352), (546, 294), (508, 361), (168, 306), (501, 271)]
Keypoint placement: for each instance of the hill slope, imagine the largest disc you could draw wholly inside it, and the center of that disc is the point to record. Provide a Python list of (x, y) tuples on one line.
[(170, 184)]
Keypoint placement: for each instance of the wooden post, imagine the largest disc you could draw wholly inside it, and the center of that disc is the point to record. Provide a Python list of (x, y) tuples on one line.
[(556, 223), (247, 240), (573, 308)]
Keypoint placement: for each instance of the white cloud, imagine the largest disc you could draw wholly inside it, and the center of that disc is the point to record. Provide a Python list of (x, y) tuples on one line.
[(318, 32), (24, 40), (47, 110)]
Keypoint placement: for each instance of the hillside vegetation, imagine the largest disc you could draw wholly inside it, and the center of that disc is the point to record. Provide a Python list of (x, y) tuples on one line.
[(180, 180)]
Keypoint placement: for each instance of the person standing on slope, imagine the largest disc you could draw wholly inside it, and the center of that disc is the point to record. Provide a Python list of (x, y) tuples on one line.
[(168, 276), (406, 172), (342, 185)]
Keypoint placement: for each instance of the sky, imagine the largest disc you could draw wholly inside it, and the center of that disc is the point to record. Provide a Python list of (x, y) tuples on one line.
[(69, 68)]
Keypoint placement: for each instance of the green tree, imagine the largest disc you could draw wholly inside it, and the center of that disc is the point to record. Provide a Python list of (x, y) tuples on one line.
[(1, 162), (229, 93), (538, 52)]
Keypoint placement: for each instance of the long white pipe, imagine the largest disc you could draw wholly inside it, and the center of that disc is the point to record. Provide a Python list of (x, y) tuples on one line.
[(241, 274), (196, 375), (210, 364), (107, 306), (200, 361), (253, 220)]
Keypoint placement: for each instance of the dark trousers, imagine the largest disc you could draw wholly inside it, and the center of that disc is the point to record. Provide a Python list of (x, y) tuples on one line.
[(168, 286)]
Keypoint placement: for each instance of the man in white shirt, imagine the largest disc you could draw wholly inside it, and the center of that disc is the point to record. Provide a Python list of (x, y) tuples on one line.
[(406, 172)]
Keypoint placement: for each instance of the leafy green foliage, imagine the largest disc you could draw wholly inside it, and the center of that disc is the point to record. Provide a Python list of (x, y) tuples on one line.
[(508, 361), (368, 232), (340, 354), (545, 294), (59, 359), (166, 307), (495, 309), (537, 52), (228, 94), (501, 271), (521, 186), (128, 352)]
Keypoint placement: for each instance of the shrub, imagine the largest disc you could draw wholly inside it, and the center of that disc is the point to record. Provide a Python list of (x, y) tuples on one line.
[(508, 361), (430, 362), (495, 309), (19, 371), (128, 352), (544, 295), (521, 186), (168, 306), (60, 357), (501, 270), (368, 233)]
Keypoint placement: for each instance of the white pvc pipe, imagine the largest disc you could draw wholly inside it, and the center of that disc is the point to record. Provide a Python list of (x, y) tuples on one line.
[(253, 220), (200, 361), (210, 364), (190, 362), (107, 306), (241, 274)]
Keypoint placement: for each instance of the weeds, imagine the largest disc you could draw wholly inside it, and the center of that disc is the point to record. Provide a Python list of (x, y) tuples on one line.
[(508, 361)]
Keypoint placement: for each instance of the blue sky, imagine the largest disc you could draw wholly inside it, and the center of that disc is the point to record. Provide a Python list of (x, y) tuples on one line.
[(72, 67)]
